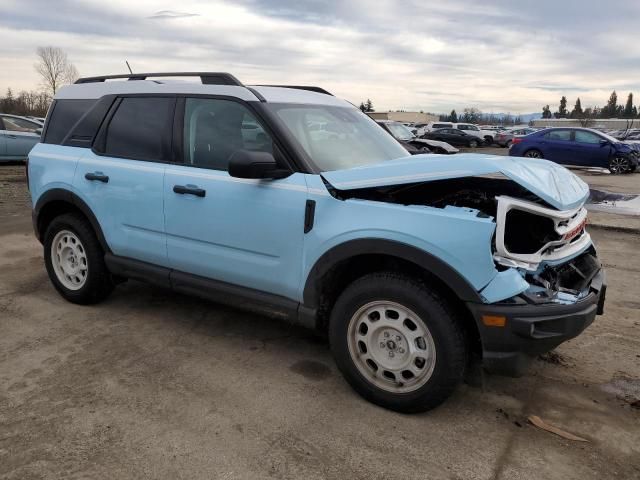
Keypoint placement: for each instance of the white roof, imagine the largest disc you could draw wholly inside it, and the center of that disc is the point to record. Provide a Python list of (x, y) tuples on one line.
[(271, 94)]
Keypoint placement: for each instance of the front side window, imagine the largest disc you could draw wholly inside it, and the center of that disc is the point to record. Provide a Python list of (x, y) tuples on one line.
[(335, 137), (140, 128), (587, 137), (215, 129), (559, 135), (13, 124)]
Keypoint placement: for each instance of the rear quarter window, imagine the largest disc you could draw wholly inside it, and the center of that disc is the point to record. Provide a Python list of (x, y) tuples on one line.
[(558, 135), (63, 117)]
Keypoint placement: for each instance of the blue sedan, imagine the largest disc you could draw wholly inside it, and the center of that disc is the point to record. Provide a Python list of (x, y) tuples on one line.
[(18, 135), (577, 146)]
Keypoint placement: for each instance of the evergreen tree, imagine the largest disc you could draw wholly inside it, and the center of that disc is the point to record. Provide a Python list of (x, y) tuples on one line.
[(546, 112), (369, 106), (628, 108), (577, 110), (562, 109), (362, 107), (453, 117), (611, 109)]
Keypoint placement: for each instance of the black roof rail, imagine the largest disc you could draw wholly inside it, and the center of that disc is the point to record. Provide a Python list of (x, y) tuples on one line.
[(301, 87), (207, 78)]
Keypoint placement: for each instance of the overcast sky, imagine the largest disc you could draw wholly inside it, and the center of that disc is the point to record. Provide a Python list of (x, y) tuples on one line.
[(501, 56)]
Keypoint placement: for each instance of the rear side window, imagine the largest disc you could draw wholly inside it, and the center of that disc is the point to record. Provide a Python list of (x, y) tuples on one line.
[(64, 116), (141, 129), (441, 125), (559, 135)]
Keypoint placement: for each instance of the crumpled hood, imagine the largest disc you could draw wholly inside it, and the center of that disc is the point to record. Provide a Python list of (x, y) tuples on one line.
[(551, 182)]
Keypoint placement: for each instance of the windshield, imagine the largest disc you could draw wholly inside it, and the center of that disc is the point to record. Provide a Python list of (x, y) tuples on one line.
[(337, 137), (400, 131)]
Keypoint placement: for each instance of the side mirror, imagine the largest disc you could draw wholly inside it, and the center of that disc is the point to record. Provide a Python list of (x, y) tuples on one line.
[(603, 142), (250, 164), (38, 131)]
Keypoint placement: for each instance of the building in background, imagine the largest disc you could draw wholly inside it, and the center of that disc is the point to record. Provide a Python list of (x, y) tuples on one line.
[(403, 117)]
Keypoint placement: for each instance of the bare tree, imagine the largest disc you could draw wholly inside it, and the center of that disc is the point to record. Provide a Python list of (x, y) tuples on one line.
[(55, 68)]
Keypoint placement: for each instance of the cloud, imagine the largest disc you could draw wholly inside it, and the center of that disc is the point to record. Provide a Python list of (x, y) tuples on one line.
[(500, 56), (164, 14)]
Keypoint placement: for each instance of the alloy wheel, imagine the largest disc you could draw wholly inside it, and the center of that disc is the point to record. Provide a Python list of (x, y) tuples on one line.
[(618, 165)]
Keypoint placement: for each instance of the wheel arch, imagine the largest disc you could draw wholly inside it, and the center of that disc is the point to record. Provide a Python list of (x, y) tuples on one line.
[(58, 201), (386, 248), (345, 262)]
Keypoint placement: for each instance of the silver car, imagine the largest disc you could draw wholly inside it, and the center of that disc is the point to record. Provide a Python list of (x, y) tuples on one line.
[(18, 135)]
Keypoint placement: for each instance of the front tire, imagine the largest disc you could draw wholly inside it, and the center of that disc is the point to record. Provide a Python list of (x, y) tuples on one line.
[(75, 260), (397, 342), (618, 165)]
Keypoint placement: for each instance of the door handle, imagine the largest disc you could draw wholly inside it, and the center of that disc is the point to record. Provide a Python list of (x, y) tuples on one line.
[(189, 190), (98, 176), (11, 136)]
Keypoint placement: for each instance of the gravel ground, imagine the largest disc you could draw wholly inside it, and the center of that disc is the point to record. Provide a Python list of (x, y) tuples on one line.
[(151, 384)]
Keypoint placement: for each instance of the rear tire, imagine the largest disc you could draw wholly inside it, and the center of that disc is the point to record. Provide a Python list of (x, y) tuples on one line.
[(533, 153), (75, 260), (397, 342), (473, 144)]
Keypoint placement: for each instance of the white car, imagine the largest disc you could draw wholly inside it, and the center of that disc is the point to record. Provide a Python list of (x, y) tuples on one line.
[(486, 135)]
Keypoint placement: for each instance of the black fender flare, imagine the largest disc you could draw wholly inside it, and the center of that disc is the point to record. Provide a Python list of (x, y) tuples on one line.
[(432, 264), (66, 196)]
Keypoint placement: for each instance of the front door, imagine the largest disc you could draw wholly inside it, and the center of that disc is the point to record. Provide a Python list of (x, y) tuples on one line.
[(123, 182), (589, 149), (238, 231)]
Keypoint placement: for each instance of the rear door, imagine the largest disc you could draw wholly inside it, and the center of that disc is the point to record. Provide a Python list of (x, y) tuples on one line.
[(238, 231), (121, 179), (557, 145)]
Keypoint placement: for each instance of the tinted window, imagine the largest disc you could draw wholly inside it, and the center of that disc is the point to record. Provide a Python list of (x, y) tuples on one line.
[(140, 129), (64, 116), (215, 129), (13, 124), (559, 135), (587, 137)]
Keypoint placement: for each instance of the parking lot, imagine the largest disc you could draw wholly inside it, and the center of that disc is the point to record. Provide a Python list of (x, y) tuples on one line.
[(156, 384)]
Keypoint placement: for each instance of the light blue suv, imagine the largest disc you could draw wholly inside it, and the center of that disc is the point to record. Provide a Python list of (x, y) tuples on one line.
[(291, 202)]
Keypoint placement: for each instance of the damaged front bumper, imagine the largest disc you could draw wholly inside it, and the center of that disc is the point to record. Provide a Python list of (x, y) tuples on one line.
[(512, 332)]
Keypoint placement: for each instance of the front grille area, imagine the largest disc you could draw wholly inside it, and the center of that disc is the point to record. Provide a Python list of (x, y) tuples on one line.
[(528, 232)]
